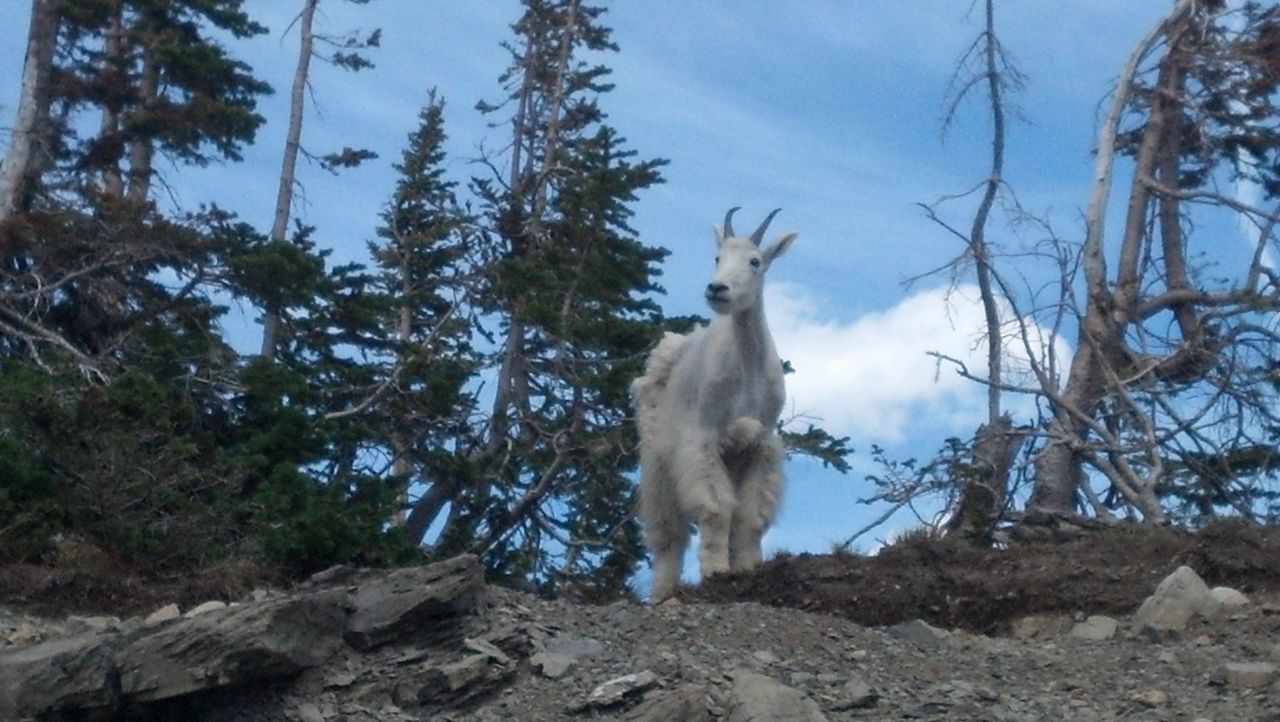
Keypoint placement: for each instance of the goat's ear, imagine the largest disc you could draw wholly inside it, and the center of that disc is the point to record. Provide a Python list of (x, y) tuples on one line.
[(719, 235), (779, 247)]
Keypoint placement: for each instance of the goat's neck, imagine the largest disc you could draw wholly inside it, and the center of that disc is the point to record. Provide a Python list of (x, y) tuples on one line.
[(751, 338)]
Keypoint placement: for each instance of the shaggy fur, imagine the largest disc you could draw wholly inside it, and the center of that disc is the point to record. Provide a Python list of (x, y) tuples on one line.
[(707, 407)]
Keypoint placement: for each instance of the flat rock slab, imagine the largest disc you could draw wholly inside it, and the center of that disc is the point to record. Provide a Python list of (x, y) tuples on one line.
[(407, 600), (62, 674), (232, 645)]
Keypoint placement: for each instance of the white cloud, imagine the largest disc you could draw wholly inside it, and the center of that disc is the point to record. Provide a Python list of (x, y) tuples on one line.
[(872, 378)]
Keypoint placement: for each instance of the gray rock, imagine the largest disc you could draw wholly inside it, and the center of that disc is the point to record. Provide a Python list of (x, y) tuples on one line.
[(1255, 675), (617, 690), (212, 605), (765, 657), (857, 693), (1228, 597), (456, 683), (919, 632), (552, 665), (82, 625), (62, 674), (1040, 626), (758, 698), (391, 606), (238, 645), (1096, 628), (575, 647), (686, 703), (163, 614), (1179, 597), (309, 712)]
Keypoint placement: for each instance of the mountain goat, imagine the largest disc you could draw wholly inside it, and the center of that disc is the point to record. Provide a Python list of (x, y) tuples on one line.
[(707, 407)]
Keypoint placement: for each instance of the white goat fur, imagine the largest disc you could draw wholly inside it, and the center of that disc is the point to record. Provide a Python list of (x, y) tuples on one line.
[(707, 407)]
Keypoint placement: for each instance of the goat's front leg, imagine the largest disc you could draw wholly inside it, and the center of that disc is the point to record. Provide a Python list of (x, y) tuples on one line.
[(666, 529), (758, 497)]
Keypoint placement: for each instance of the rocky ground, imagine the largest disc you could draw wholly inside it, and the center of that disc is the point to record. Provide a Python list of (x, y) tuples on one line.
[(927, 631)]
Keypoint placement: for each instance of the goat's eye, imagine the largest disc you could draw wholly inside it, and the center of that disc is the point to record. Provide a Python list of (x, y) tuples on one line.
[(717, 260), (755, 263)]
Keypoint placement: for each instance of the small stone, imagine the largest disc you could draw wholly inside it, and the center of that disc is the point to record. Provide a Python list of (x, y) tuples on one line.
[(486, 648), (575, 647), (1096, 628), (552, 665), (309, 712), (620, 688), (918, 631), (163, 614), (1228, 597), (1150, 698), (764, 656), (26, 633), (1040, 626), (1167, 656), (341, 679), (1254, 675), (857, 694), (210, 606), (857, 655), (82, 625), (756, 698)]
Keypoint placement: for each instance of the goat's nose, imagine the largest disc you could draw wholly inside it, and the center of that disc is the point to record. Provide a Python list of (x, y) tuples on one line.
[(715, 289)]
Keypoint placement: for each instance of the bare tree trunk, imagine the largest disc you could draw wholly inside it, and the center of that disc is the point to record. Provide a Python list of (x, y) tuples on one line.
[(977, 236), (141, 149), (985, 482), (1110, 309), (982, 494), (109, 128), (512, 382), (400, 444), (271, 321), (30, 130)]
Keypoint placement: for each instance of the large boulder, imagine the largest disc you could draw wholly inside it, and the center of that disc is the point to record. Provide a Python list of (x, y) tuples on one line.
[(416, 598), (1179, 597), (91, 674)]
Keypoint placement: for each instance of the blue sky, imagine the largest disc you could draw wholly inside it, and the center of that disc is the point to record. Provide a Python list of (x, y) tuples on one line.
[(830, 109)]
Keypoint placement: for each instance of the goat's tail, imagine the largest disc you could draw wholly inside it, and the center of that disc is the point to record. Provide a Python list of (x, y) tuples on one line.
[(657, 370)]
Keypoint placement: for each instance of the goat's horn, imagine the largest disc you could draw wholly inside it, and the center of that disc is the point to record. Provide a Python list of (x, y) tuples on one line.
[(728, 221), (758, 236)]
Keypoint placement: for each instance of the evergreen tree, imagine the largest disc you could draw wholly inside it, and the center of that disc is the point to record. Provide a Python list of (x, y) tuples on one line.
[(427, 275), (568, 285), (114, 401)]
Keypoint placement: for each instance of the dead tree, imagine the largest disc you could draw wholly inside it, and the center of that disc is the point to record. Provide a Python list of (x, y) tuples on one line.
[(30, 130)]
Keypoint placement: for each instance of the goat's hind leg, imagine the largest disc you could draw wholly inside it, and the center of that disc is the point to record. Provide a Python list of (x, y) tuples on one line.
[(759, 494)]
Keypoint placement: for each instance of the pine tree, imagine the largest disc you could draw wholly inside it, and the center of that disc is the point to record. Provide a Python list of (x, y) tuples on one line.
[(569, 286), (427, 275), (114, 394)]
